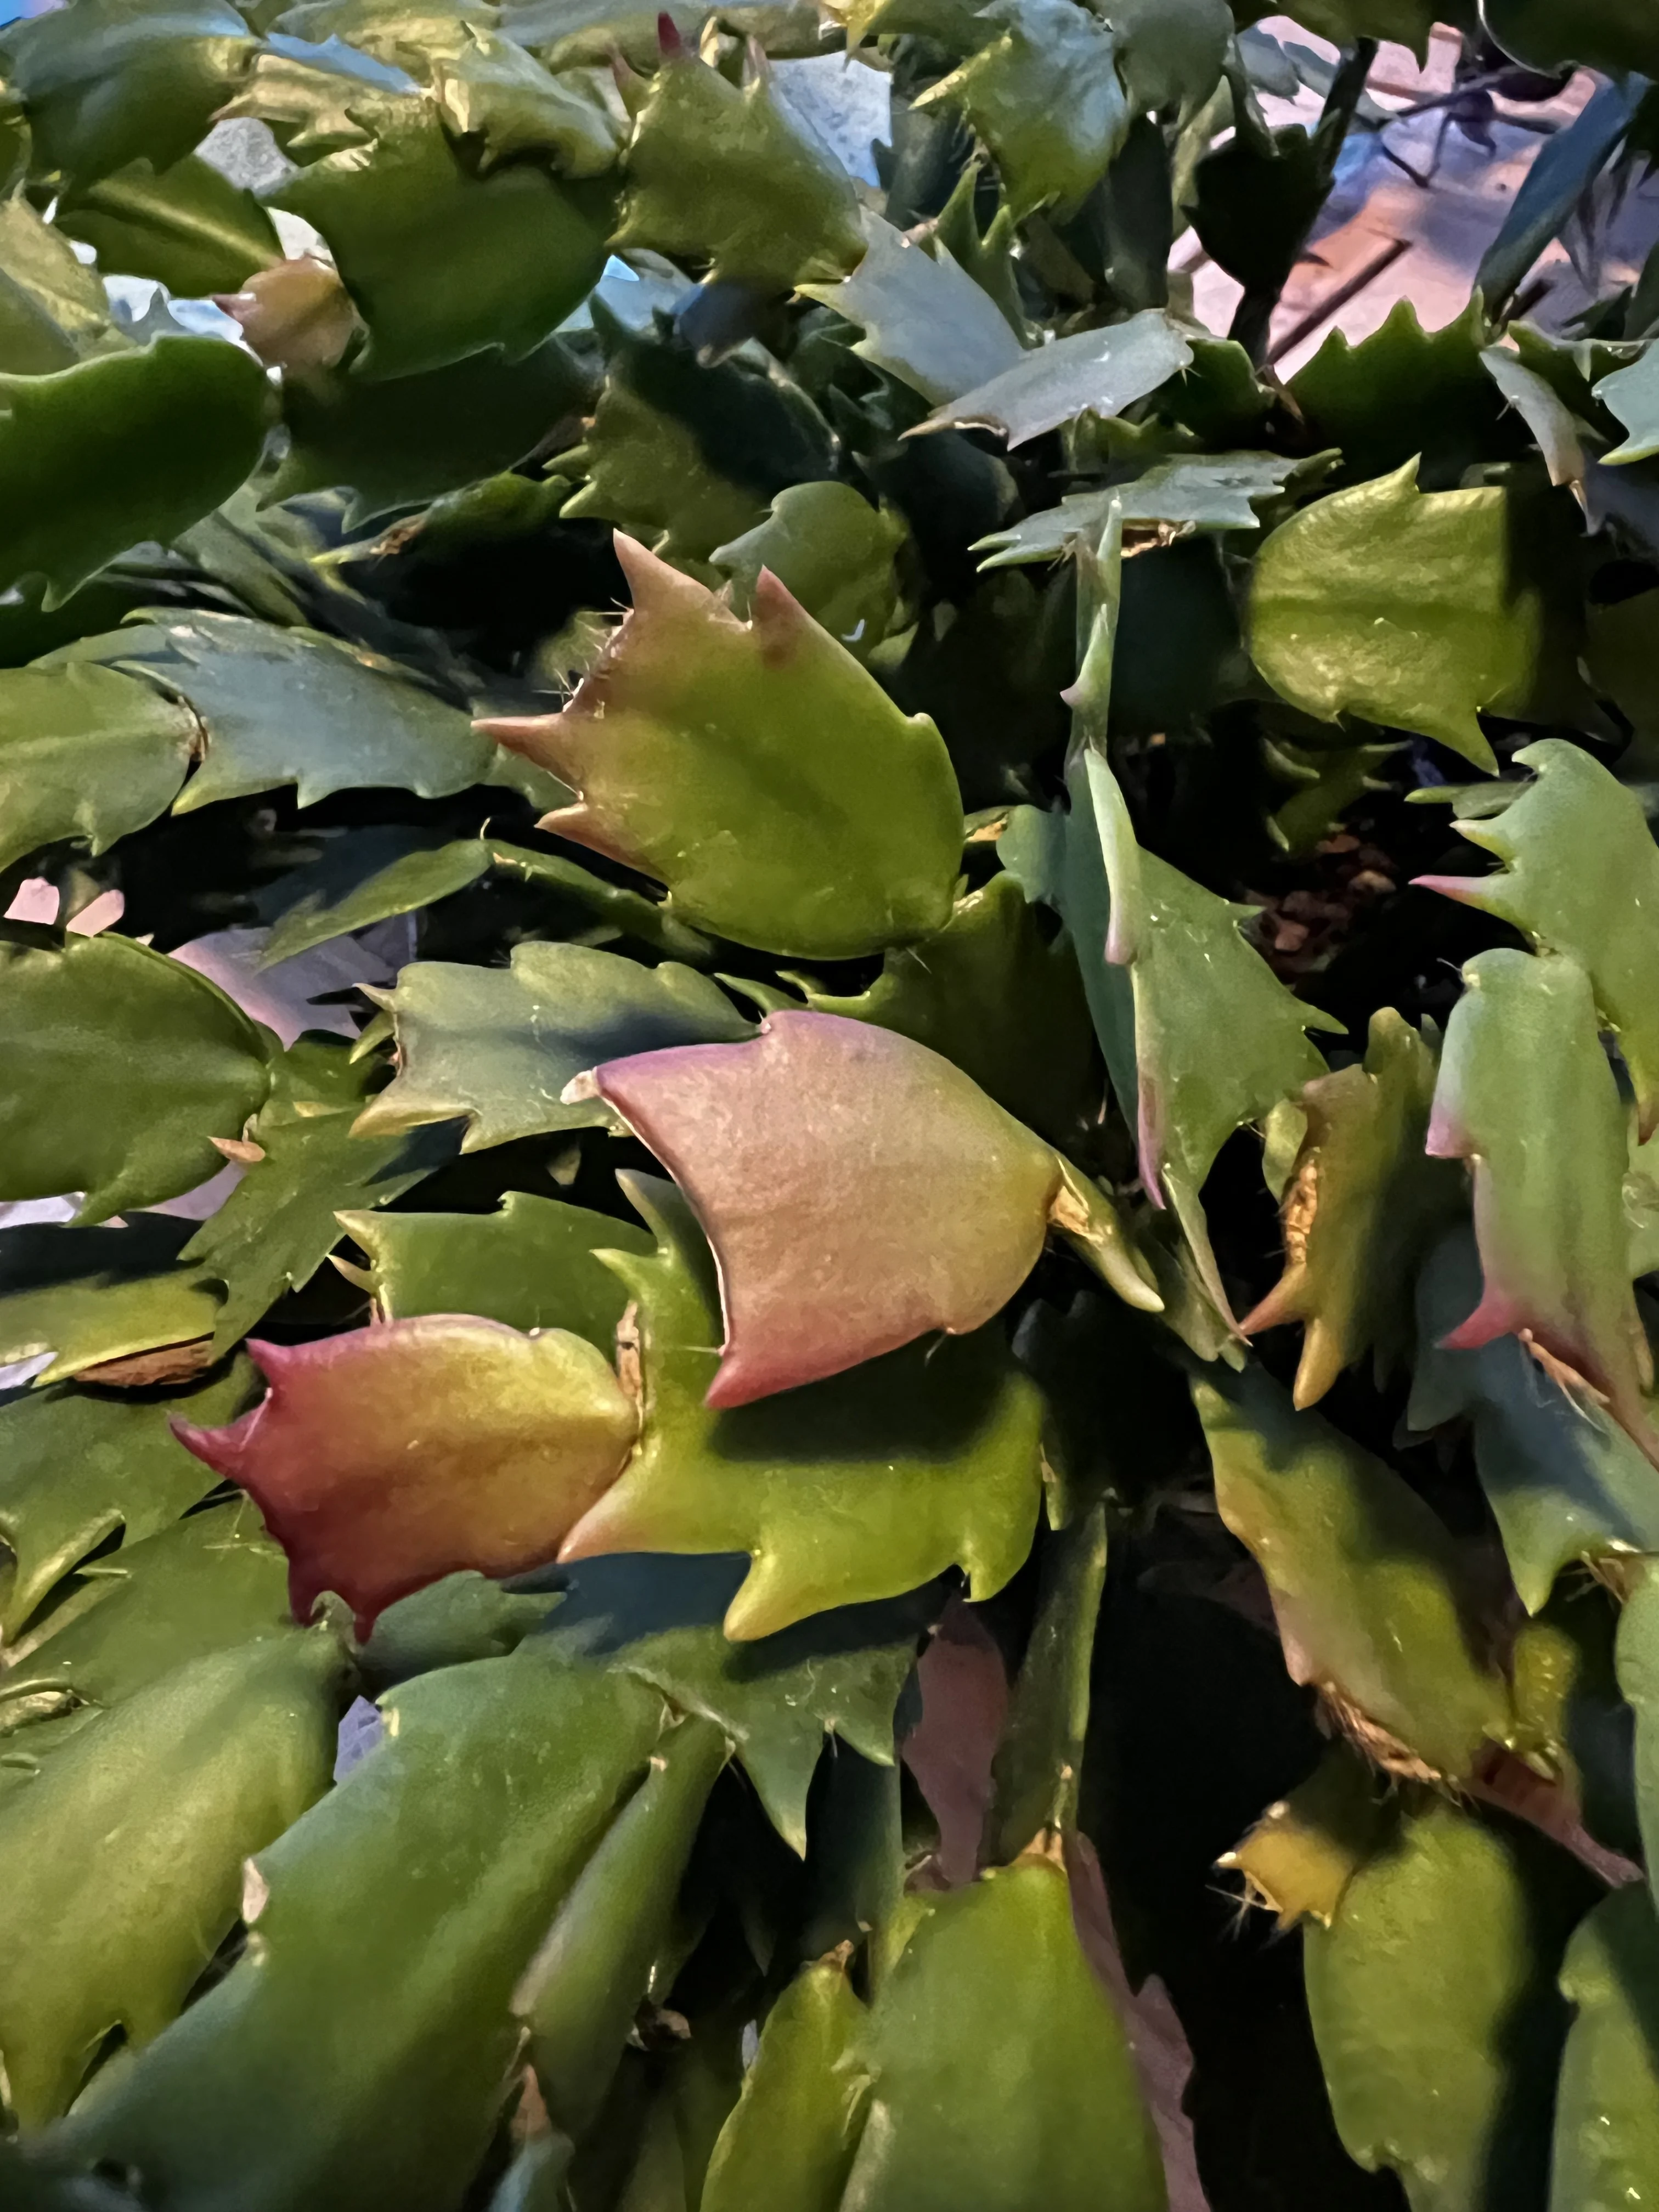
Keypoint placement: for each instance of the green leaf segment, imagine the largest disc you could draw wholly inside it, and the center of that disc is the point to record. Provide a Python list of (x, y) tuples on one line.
[(825, 1349)]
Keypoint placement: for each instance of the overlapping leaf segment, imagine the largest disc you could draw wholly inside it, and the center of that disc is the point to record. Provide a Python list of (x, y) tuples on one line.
[(792, 1082)]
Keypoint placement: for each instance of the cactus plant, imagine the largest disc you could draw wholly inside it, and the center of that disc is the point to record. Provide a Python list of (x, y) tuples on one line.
[(691, 842)]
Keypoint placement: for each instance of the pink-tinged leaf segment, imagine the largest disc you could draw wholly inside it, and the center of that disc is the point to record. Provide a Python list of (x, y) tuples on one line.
[(1527, 1096), (1581, 877), (387, 1457), (858, 1192), (756, 770)]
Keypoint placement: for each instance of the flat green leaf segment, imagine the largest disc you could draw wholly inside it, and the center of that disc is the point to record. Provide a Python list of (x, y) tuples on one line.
[(1580, 877), (510, 1771), (193, 1067), (1400, 606), (839, 1674), (895, 2106), (88, 1296), (1216, 491), (1363, 1205), (1045, 95), (1218, 1040), (81, 1464), (925, 320), (756, 771), (1563, 1480), (1633, 394), (998, 1001), (208, 1583), (1405, 392), (922, 1204), (1526, 1096), (1637, 1665), (417, 436), (129, 446), (1433, 2001), (1375, 1602), (385, 1457), (366, 877), (372, 875), (1038, 1768), (832, 551), (496, 1048), (729, 176), (281, 1222), (1093, 372), (115, 81), (85, 754), (858, 1488), (188, 227), (172, 1790), (1607, 2123), (1300, 1856), (441, 264), (532, 1264), (53, 311), (580, 1997), (290, 706)]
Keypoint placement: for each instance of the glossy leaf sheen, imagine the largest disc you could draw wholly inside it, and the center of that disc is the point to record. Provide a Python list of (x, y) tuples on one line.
[(580, 1992), (832, 551), (792, 2137), (213, 1581), (385, 1457), (190, 228), (1398, 605), (442, 264), (1210, 491), (1046, 97), (92, 1295), (756, 771)]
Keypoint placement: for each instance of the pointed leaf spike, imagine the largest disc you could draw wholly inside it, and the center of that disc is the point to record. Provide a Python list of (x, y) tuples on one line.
[(1581, 877), (757, 769), (858, 1189), (388, 1456), (1527, 1096)]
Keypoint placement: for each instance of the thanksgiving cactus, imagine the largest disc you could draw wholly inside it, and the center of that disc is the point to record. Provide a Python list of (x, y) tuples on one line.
[(692, 835)]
